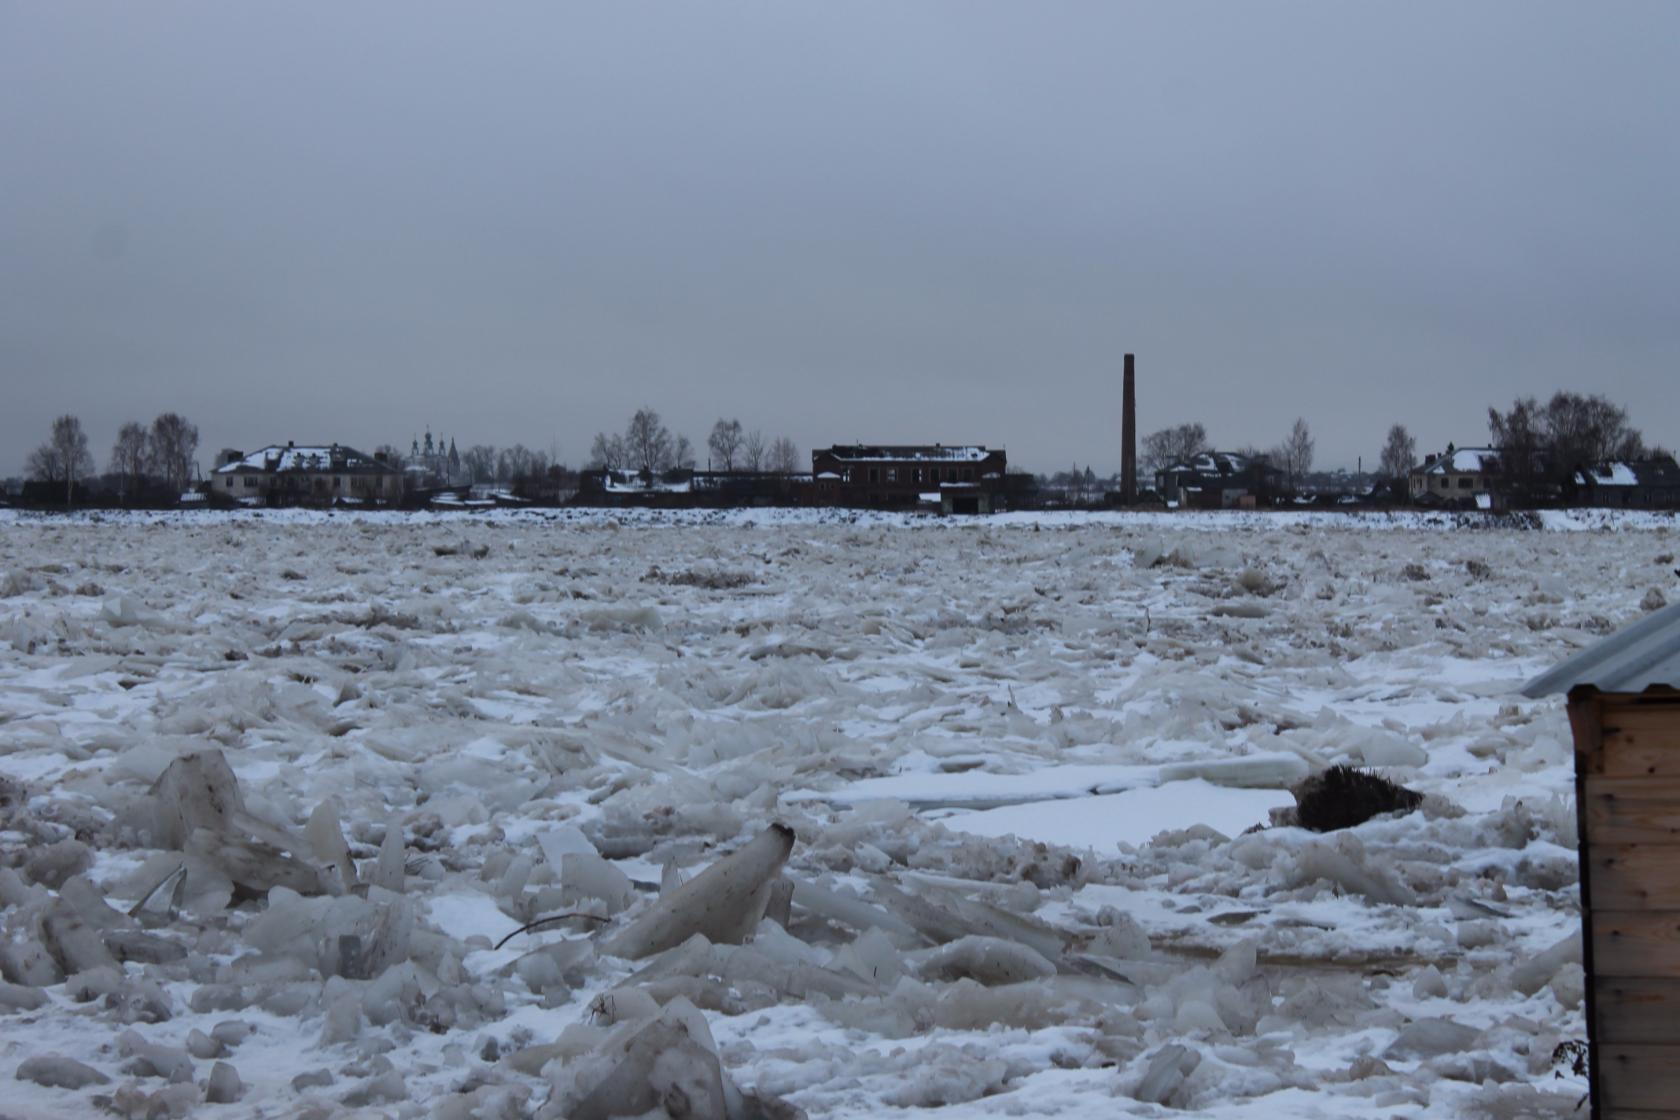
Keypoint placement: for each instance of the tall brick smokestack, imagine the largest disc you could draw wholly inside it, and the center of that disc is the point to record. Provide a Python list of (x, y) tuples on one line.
[(1128, 438)]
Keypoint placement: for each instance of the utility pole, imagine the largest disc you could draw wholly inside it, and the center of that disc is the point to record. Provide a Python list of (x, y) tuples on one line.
[(1128, 437)]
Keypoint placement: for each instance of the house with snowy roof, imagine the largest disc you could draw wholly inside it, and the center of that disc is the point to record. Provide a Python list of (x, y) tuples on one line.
[(321, 475), (1467, 476), (1219, 480), (1638, 484), (959, 478)]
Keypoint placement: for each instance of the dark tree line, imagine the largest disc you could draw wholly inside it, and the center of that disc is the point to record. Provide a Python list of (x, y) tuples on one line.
[(648, 447), (1543, 444), (163, 456), (1170, 447)]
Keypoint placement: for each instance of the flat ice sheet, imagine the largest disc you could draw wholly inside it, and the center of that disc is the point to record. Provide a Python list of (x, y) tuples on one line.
[(983, 786), (1131, 817)]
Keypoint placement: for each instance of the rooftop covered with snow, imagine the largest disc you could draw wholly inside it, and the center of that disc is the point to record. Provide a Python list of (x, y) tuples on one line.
[(899, 453), (310, 457), (1210, 463), (1464, 460), (1643, 472)]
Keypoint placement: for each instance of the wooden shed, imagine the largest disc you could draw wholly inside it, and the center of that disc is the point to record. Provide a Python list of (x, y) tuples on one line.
[(1624, 709)]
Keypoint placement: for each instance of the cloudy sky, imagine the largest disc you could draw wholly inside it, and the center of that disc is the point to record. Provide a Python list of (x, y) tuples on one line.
[(894, 221)]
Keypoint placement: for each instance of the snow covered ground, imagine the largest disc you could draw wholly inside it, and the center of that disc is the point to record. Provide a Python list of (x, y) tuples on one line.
[(1018, 756)]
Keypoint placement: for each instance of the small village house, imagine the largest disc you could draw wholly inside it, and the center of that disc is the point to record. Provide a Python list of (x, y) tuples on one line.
[(1219, 480), (961, 478), (1467, 476), (318, 475), (1640, 484)]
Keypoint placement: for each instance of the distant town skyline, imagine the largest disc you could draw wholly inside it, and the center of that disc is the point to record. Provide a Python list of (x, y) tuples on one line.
[(879, 222)]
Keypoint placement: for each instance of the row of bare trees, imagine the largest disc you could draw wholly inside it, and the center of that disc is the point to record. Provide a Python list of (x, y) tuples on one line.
[(1182, 443), (163, 454), (734, 449), (484, 463), (1545, 443), (647, 446)]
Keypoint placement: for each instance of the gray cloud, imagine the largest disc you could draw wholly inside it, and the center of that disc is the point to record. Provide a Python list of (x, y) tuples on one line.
[(878, 221)]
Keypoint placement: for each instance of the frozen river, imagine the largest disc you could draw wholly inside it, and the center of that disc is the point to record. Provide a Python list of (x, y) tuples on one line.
[(1028, 763)]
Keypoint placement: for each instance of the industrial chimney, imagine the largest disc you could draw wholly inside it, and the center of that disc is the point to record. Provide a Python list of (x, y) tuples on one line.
[(1128, 439)]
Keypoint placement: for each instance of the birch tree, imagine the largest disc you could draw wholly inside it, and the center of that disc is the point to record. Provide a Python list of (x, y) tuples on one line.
[(64, 457), (173, 442), (129, 457)]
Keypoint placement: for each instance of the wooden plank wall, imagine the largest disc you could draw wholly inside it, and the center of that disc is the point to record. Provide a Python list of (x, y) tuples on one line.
[(1628, 782)]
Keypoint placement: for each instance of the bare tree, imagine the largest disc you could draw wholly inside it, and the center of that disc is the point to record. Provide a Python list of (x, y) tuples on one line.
[(753, 450), (479, 462), (607, 452), (1516, 434), (1582, 430), (682, 454), (173, 443), (647, 443), (128, 457), (1295, 454), (513, 463), (784, 456), (1548, 442), (724, 443), (1399, 454), (394, 457), (1172, 446), (1073, 484), (64, 457)]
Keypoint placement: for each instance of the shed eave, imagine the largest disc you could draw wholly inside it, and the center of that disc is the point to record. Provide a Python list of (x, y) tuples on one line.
[(1635, 659)]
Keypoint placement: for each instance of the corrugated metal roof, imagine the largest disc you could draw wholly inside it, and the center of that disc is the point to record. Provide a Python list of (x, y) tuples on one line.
[(1635, 658)]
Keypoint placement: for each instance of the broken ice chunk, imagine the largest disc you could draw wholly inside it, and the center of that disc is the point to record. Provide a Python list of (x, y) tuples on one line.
[(17, 997), (558, 843), (52, 865), (224, 1086), (196, 808), (149, 1059), (1427, 1038), (989, 960), (871, 957), (724, 902), (58, 1072), (666, 1066), (388, 867), (326, 842), (1533, 974), (1345, 862), (854, 912), (74, 944), (586, 875), (1166, 1073)]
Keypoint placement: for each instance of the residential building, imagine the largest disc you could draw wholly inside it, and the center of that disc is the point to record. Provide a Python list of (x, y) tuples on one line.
[(1219, 480), (1640, 484), (1467, 476), (330, 474)]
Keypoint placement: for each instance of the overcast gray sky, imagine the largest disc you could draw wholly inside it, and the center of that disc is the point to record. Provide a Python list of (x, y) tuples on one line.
[(896, 221)]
